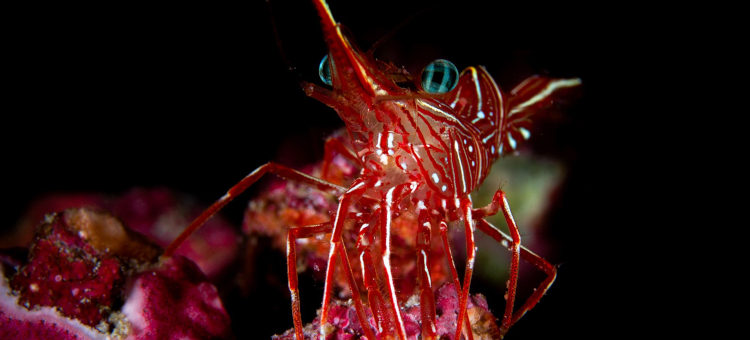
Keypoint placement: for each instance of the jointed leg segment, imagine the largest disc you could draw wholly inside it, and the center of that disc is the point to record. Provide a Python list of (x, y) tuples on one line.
[(529, 257), (347, 199), (313, 230), (500, 202), (241, 186), (470, 256), (454, 274), (426, 295)]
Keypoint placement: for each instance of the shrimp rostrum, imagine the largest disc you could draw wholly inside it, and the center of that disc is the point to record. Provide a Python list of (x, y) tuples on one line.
[(421, 150)]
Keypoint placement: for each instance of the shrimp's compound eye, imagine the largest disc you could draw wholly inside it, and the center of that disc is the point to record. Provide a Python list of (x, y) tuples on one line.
[(440, 76), (324, 70)]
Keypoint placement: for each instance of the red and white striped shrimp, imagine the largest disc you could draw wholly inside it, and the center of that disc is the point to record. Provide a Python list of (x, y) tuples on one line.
[(422, 151)]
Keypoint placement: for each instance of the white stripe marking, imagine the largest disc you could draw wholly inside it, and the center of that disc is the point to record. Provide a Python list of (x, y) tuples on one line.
[(476, 86), (551, 87), (460, 165), (489, 136)]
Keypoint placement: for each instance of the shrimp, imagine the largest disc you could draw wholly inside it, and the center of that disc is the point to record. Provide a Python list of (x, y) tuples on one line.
[(422, 150)]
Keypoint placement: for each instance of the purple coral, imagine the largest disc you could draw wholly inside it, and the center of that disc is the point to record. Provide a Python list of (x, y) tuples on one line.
[(158, 213), (175, 301), (89, 277)]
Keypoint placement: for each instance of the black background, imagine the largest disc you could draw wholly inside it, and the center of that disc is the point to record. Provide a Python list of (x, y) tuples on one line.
[(111, 97)]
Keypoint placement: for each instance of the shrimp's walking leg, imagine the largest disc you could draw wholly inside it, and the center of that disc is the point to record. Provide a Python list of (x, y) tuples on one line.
[(393, 198), (277, 169), (500, 202), (291, 258), (291, 265), (365, 240), (470, 256), (426, 295), (350, 197), (529, 257), (454, 273)]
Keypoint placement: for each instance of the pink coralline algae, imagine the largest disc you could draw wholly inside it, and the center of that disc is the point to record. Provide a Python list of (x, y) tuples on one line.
[(175, 301), (89, 277), (344, 324)]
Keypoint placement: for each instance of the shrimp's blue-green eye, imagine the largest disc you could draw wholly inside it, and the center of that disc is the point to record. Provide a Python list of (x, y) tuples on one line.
[(440, 76), (324, 70)]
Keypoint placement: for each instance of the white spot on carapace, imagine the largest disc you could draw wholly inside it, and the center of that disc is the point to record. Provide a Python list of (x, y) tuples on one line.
[(435, 177), (34, 287), (480, 114), (383, 159), (420, 205), (444, 188), (473, 163), (358, 214), (379, 152), (471, 149), (390, 152), (512, 142), (378, 183), (526, 134), (491, 113), (390, 139), (465, 141), (492, 150), (501, 147), (403, 165)]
